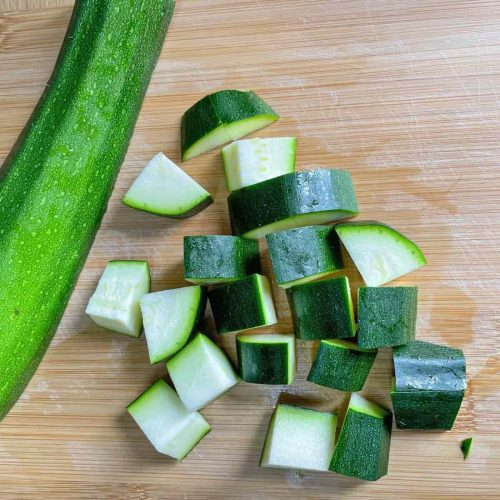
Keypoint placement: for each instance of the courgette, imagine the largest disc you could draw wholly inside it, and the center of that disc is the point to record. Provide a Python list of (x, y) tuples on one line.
[(201, 373), (364, 442), (322, 309), (115, 303), (216, 259), (387, 316), (55, 184), (380, 253), (267, 358), (292, 200), (341, 365), (299, 438), (167, 424), (465, 446), (250, 161), (222, 117), (304, 254)]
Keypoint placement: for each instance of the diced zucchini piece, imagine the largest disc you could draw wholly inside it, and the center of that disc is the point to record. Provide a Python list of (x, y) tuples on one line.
[(115, 302), (250, 161), (380, 253), (426, 366), (162, 188), (341, 365), (215, 259), (292, 200), (170, 317), (304, 254), (201, 373), (362, 450), (386, 316), (323, 309), (170, 428), (299, 438), (242, 305), (222, 117), (465, 447), (267, 358)]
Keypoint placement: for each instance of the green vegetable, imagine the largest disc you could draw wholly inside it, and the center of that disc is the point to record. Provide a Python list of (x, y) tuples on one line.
[(299, 438), (162, 188), (251, 161), (222, 117), (242, 305), (292, 200), (55, 184), (170, 317), (322, 310), (429, 385), (115, 303), (465, 447), (380, 253), (425, 366), (201, 373), (267, 358), (304, 254), (362, 450), (210, 260), (341, 365), (170, 428), (386, 316)]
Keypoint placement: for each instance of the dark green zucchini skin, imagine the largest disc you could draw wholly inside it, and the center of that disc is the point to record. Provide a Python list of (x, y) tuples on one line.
[(218, 257), (304, 251), (322, 310), (387, 316), (263, 363), (341, 368), (56, 182), (362, 449), (291, 195), (426, 409)]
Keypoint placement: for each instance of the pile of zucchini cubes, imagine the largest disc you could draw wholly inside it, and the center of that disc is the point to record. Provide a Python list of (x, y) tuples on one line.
[(269, 199)]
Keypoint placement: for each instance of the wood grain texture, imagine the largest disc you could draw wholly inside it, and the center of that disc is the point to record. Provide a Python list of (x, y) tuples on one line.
[(403, 94)]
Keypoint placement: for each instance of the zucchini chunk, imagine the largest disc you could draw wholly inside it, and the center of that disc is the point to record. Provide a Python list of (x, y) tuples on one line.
[(386, 316), (323, 309), (465, 446), (222, 117), (163, 188), (304, 254), (170, 317), (201, 373), (341, 365), (363, 447), (216, 259), (299, 438), (267, 358), (115, 302), (242, 305), (251, 161), (292, 200), (380, 253), (171, 429)]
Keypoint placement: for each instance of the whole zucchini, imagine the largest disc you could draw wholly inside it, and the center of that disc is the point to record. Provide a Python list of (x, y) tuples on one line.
[(55, 184)]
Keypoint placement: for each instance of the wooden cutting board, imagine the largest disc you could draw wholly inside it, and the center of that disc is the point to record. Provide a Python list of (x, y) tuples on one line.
[(403, 94)]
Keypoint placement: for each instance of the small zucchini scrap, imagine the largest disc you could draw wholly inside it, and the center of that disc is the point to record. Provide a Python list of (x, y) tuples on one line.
[(242, 305), (341, 365), (429, 385), (267, 358), (465, 446), (304, 254), (323, 309), (386, 316), (362, 450), (299, 438)]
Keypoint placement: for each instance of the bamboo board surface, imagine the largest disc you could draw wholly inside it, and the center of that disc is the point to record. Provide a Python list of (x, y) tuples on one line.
[(403, 94)]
